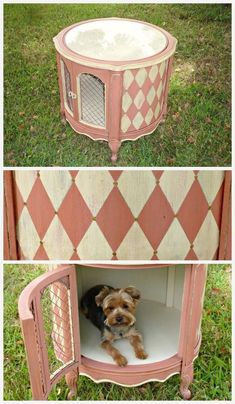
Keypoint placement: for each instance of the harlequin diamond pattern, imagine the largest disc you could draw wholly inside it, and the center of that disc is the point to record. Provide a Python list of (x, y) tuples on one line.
[(125, 215), (143, 96)]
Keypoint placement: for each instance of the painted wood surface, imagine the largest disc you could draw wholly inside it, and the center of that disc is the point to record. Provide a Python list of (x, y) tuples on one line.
[(120, 215)]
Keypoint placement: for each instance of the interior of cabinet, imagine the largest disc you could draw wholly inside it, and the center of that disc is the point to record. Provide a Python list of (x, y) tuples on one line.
[(158, 313)]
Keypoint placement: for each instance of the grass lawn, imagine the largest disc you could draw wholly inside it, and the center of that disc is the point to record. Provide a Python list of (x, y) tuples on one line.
[(197, 131), (212, 368)]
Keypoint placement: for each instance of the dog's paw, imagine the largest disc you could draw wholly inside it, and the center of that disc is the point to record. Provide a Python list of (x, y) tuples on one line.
[(141, 355), (121, 360)]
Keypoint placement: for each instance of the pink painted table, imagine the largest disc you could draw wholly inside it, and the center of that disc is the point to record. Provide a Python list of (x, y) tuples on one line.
[(113, 77), (60, 341)]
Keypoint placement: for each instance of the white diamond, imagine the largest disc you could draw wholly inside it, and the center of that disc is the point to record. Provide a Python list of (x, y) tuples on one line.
[(207, 240), (126, 102), (25, 181), (176, 185), (157, 110), (159, 90), (139, 99), (210, 182), (57, 243), (27, 235), (162, 69), (138, 120), (125, 123), (175, 245), (94, 245), (149, 116), (57, 184), (151, 95), (135, 245), (128, 79), (141, 77), (153, 73), (136, 188), (94, 186)]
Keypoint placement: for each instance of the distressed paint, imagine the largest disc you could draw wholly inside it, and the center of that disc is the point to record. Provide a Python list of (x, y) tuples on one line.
[(129, 208)]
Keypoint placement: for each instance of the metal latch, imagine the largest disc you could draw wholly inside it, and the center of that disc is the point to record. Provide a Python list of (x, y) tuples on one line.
[(72, 95)]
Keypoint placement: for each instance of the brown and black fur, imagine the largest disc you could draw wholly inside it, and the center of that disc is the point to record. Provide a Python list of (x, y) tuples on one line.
[(112, 311)]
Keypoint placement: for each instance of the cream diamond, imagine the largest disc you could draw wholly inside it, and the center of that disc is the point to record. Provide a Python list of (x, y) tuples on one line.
[(151, 95), (175, 245), (25, 181), (135, 245), (162, 69), (126, 102), (94, 186), (138, 120), (207, 240), (94, 245), (136, 188), (139, 99), (210, 182), (149, 116), (128, 79), (141, 77), (175, 185), (157, 110), (125, 123), (27, 235), (57, 184), (159, 90), (153, 73), (56, 242)]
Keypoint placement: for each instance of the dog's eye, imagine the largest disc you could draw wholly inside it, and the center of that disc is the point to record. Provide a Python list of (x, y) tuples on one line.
[(111, 308), (125, 306)]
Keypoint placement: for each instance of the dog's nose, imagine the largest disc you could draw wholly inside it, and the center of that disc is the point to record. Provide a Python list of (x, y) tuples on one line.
[(119, 319)]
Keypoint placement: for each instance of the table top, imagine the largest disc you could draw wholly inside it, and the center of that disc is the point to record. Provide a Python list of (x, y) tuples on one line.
[(115, 40)]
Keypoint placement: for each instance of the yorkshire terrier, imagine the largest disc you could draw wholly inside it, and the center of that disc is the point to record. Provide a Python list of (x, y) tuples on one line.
[(112, 311)]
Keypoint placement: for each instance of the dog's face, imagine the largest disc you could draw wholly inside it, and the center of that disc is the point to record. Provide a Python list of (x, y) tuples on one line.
[(118, 305)]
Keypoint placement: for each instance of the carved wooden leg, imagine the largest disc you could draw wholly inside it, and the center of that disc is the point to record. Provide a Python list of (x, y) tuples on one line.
[(62, 117), (164, 113), (114, 145), (71, 380), (186, 380)]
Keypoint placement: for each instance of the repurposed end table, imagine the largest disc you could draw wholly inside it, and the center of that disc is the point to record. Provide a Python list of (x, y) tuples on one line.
[(113, 77), (60, 341)]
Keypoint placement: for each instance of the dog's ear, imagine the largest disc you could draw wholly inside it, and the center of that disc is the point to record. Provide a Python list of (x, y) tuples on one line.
[(102, 295), (133, 292)]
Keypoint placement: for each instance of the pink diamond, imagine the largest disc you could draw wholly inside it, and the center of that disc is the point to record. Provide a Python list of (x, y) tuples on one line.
[(115, 218), (193, 211), (156, 217), (216, 206), (74, 215), (40, 208)]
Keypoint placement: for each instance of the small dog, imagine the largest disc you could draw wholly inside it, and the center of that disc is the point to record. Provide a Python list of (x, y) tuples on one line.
[(113, 312)]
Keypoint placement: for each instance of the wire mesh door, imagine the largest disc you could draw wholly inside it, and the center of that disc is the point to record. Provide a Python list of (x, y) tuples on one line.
[(92, 100), (48, 311)]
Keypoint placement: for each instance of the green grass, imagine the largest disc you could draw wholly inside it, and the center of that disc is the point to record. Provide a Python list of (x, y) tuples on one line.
[(212, 377), (197, 131)]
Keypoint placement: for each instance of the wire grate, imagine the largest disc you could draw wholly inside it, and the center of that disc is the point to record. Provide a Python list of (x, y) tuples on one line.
[(56, 314), (92, 100)]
